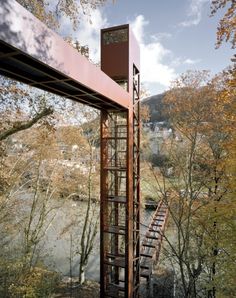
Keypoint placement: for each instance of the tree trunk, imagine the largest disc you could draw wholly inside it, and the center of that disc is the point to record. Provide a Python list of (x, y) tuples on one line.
[(81, 274)]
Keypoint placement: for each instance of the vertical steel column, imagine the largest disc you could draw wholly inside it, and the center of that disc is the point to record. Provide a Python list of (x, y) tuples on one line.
[(136, 179), (103, 201), (129, 282)]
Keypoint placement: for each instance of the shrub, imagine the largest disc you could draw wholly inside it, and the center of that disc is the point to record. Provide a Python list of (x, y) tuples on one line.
[(16, 281)]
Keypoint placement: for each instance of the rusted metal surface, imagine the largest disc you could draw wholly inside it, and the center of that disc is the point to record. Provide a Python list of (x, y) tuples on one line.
[(119, 52), (130, 211), (111, 46), (114, 180), (136, 178), (120, 244), (151, 244), (103, 194), (134, 59), (35, 55), (119, 221)]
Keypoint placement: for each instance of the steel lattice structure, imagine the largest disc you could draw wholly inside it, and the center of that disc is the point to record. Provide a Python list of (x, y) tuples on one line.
[(120, 171)]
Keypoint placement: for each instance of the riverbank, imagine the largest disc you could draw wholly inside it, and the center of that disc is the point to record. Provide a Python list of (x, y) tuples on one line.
[(68, 289)]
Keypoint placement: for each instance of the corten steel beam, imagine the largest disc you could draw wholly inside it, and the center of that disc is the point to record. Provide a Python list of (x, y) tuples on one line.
[(35, 55)]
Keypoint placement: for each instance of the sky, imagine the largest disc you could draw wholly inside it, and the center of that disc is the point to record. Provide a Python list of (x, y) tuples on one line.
[(174, 36)]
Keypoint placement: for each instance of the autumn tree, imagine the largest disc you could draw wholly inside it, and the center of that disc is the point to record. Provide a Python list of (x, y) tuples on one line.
[(44, 162), (90, 225), (79, 182), (226, 30), (51, 13), (198, 190), (27, 211), (224, 205)]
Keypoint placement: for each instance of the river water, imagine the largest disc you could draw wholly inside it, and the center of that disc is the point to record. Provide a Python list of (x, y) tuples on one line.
[(60, 239)]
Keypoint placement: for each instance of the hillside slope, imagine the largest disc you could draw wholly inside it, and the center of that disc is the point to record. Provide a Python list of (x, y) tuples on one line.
[(155, 104)]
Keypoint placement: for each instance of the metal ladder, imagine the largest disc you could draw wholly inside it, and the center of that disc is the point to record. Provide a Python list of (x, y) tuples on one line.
[(151, 244)]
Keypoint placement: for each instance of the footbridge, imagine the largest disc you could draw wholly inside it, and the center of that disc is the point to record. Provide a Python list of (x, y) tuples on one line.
[(152, 241)]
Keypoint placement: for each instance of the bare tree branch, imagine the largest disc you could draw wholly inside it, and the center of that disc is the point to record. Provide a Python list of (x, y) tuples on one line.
[(25, 125)]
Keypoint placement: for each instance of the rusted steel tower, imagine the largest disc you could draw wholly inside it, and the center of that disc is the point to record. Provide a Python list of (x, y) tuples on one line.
[(120, 170)]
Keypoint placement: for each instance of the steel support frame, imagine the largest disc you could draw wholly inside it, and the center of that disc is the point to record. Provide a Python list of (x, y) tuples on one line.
[(35, 55), (120, 199)]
